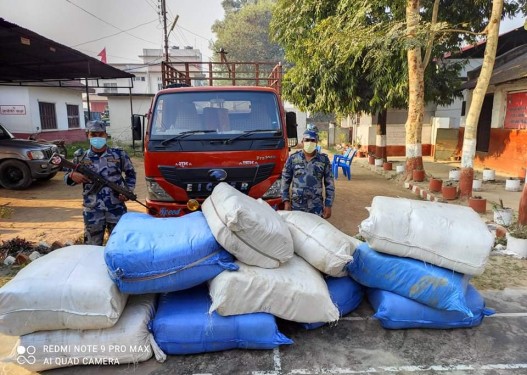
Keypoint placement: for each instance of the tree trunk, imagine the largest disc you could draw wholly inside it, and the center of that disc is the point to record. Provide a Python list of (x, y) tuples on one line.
[(522, 210), (380, 139), (414, 123), (471, 126)]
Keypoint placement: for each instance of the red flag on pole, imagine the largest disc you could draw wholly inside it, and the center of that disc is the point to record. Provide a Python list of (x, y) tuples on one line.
[(103, 55)]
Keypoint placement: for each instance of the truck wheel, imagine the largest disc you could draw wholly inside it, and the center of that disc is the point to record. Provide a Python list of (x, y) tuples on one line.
[(15, 175)]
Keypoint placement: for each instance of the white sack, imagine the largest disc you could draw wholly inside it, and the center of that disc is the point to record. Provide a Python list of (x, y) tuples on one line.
[(128, 341), (253, 232), (320, 244), (295, 291), (446, 235), (67, 289)]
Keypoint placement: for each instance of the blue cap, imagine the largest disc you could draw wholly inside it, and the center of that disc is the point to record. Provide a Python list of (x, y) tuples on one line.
[(95, 126), (310, 134)]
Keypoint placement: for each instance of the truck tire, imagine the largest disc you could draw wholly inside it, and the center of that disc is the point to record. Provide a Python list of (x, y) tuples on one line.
[(15, 175)]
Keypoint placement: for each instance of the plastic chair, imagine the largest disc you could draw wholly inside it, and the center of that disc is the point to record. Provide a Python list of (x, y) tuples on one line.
[(343, 162)]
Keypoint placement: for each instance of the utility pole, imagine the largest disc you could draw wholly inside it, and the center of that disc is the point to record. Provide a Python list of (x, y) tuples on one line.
[(164, 14)]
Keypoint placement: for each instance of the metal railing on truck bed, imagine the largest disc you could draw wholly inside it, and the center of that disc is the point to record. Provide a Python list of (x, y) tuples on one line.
[(223, 73)]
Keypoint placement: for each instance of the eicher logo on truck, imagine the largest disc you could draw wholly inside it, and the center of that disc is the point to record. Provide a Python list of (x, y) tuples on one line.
[(217, 175), (208, 187)]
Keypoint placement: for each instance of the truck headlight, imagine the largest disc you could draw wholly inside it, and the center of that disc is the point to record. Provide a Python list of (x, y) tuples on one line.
[(274, 190), (35, 155), (156, 192)]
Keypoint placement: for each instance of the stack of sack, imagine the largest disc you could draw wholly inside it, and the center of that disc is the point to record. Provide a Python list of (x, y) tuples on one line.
[(67, 311), (220, 277), (237, 309), (418, 261), (176, 257)]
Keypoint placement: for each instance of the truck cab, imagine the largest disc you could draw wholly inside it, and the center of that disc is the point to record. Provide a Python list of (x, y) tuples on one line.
[(199, 136)]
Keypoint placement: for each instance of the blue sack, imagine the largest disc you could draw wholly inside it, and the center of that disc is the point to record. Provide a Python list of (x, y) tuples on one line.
[(397, 312), (425, 283), (145, 254), (345, 292), (183, 325)]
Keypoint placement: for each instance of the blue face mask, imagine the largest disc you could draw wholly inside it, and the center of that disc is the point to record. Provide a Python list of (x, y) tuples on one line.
[(98, 142)]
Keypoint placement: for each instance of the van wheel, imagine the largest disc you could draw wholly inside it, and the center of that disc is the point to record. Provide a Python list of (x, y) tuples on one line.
[(15, 175)]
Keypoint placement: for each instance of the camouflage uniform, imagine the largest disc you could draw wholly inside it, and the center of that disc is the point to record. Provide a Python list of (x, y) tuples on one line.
[(305, 179), (103, 209)]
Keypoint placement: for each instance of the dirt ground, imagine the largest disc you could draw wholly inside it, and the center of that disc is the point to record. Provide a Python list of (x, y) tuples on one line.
[(51, 211)]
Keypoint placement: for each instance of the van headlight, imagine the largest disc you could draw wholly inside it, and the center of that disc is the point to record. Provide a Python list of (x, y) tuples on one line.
[(274, 190), (35, 155), (156, 192)]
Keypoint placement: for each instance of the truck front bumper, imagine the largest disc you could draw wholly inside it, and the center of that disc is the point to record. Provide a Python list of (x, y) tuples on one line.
[(171, 209)]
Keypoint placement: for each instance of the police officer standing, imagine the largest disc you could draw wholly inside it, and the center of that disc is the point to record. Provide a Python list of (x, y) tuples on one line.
[(103, 207), (306, 174)]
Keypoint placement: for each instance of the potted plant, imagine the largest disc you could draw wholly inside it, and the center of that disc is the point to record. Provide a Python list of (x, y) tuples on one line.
[(517, 239), (418, 175), (477, 183), (478, 204), (512, 184), (371, 158), (379, 162), (502, 214), (435, 185), (449, 191), (489, 174), (454, 174), (387, 165)]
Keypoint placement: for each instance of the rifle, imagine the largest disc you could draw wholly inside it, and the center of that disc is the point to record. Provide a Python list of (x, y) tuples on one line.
[(97, 180)]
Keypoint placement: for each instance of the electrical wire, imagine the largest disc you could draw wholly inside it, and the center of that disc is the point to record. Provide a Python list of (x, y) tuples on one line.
[(110, 24), (120, 32)]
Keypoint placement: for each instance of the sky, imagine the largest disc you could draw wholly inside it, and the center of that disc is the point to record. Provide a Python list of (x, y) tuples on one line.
[(123, 27)]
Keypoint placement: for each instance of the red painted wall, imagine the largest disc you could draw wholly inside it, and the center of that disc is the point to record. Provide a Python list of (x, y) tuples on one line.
[(507, 151), (98, 106), (70, 136), (396, 150)]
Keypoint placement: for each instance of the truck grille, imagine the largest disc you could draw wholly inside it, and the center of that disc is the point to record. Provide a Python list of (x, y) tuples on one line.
[(198, 183)]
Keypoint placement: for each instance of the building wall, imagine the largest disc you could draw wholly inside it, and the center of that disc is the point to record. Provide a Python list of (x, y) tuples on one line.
[(29, 97), (15, 99), (119, 107), (365, 130)]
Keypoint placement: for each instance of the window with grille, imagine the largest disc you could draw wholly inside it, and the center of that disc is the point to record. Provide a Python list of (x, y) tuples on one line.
[(110, 88), (48, 116), (73, 116)]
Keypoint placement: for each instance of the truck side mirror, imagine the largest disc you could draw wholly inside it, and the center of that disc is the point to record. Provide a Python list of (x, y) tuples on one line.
[(137, 128), (291, 125)]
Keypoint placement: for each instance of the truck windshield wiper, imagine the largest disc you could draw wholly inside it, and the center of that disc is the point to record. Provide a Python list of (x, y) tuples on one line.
[(185, 134), (245, 134)]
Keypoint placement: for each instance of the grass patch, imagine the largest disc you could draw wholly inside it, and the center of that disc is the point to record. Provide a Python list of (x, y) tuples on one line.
[(502, 271), (5, 211)]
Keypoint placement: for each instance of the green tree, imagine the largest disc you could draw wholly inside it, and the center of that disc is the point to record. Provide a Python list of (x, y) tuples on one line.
[(350, 56), (366, 55), (244, 32)]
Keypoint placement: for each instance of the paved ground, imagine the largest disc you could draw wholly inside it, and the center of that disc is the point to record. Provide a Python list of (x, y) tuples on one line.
[(357, 344)]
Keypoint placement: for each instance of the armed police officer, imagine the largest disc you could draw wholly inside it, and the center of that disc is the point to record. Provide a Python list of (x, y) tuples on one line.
[(307, 179), (102, 206)]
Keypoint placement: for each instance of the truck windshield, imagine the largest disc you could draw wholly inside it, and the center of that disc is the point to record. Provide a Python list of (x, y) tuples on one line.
[(221, 112)]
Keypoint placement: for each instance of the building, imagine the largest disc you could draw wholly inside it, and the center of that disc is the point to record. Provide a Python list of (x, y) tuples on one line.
[(123, 102), (40, 84), (502, 138)]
